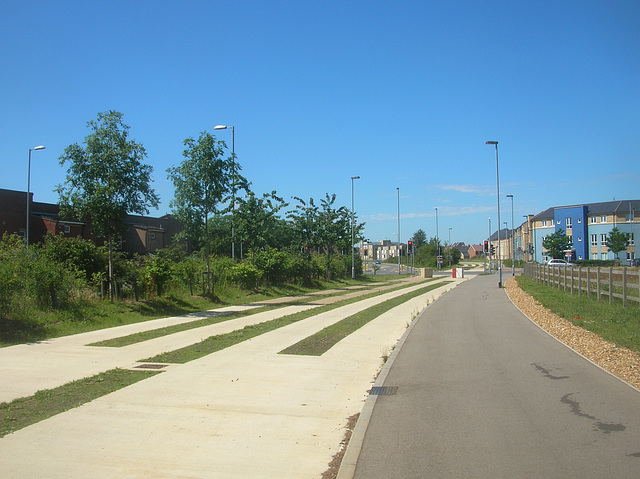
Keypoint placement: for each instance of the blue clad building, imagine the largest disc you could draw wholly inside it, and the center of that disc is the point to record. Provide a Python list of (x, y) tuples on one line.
[(587, 227)]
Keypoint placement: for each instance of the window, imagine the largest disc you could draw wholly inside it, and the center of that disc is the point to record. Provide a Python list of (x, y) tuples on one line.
[(603, 219), (570, 238), (153, 236), (603, 240), (579, 221), (594, 241), (594, 255), (579, 239), (592, 219), (558, 221), (67, 229), (631, 240), (568, 222)]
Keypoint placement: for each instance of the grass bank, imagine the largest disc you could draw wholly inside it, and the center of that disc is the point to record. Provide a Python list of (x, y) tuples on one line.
[(610, 321), (93, 314)]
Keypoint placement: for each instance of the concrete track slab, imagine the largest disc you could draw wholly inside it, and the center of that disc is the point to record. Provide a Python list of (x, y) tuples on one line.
[(242, 412)]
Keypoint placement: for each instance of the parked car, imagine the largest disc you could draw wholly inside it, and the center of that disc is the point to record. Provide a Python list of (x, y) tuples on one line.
[(559, 262)]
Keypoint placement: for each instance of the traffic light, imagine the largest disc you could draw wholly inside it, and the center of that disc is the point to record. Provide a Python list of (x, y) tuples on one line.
[(492, 249), (486, 246), (410, 246)]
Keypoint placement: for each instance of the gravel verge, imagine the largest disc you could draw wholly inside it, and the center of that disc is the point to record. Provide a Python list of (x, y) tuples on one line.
[(619, 361)]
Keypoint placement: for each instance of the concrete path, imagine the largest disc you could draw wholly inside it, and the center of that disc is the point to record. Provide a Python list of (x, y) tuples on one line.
[(243, 412), (483, 392)]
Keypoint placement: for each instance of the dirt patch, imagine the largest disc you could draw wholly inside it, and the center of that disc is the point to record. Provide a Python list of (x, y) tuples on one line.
[(334, 465), (619, 361)]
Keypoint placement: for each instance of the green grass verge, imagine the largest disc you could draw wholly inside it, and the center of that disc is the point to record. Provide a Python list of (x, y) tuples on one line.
[(610, 321), (222, 341), (23, 412), (94, 314), (198, 323), (319, 343)]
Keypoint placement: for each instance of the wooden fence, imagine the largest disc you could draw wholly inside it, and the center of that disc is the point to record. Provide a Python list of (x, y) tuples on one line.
[(620, 282)]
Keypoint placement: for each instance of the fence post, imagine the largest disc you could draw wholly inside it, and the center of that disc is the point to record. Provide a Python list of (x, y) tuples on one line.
[(610, 284), (572, 280), (579, 280), (598, 283), (588, 281), (624, 286)]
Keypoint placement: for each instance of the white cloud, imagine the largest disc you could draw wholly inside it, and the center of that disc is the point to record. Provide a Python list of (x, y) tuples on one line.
[(482, 190)]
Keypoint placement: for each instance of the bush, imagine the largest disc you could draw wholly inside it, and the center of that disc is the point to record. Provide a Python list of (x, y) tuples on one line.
[(244, 275)]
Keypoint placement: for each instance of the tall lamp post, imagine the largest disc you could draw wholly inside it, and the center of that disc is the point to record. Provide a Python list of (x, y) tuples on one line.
[(498, 195), (29, 189), (398, 251), (437, 242), (233, 186), (489, 245), (353, 258), (450, 256), (513, 242)]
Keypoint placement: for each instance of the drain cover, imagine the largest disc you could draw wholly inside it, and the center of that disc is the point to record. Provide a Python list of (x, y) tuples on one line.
[(383, 390), (151, 366)]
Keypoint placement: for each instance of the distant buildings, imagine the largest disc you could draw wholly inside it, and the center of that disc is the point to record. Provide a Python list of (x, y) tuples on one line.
[(144, 235), (586, 225)]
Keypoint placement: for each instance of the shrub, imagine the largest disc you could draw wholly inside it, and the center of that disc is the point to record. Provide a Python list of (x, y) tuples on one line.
[(245, 275)]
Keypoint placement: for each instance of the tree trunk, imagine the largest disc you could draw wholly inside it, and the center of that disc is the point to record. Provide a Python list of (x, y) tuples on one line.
[(111, 280)]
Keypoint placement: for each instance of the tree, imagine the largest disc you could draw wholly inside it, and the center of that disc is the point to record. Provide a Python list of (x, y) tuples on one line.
[(556, 244), (257, 221), (419, 238), (202, 182), (106, 180), (324, 227), (617, 241)]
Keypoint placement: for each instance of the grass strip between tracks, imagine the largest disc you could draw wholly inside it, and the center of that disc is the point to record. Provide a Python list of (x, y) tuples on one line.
[(23, 412), (223, 341), (320, 342), (198, 323)]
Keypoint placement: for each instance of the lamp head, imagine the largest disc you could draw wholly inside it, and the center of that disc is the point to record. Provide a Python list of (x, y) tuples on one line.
[(491, 143), (220, 127), (38, 148)]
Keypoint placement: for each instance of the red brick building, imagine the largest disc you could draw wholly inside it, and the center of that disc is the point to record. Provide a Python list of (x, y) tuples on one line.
[(144, 235)]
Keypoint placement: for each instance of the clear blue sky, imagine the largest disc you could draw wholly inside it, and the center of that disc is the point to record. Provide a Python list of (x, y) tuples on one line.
[(402, 94)]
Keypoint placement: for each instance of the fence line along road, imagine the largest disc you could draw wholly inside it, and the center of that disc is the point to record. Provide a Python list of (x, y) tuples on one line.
[(622, 283)]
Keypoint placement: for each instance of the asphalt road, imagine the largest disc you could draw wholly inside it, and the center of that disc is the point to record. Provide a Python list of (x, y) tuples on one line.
[(484, 393)]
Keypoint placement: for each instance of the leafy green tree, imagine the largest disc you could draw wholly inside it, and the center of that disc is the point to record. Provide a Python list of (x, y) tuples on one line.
[(106, 180), (617, 241), (257, 220), (203, 180), (427, 254), (419, 238), (324, 227), (556, 244)]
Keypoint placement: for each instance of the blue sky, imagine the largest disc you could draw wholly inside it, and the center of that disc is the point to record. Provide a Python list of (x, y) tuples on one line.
[(402, 94)]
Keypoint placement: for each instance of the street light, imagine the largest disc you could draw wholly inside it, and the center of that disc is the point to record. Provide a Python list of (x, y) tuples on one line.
[(233, 187), (513, 241), (398, 250), (29, 188), (498, 195), (450, 257), (353, 259), (437, 242)]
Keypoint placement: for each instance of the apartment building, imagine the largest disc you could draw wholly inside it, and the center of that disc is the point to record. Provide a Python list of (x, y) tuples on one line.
[(587, 226)]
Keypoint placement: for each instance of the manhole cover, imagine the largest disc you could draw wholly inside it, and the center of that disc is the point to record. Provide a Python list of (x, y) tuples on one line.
[(151, 366), (383, 390)]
